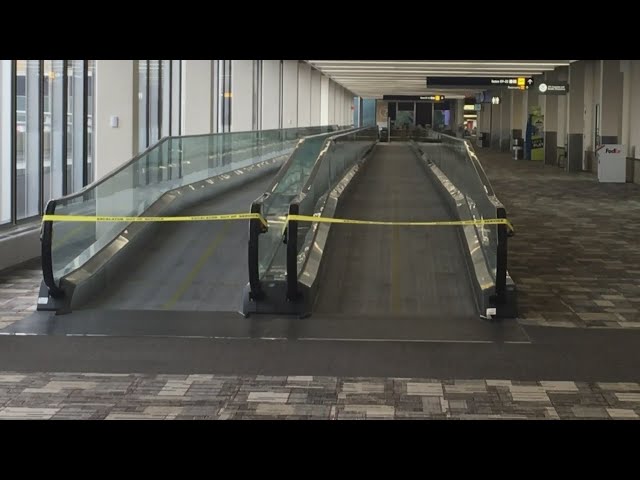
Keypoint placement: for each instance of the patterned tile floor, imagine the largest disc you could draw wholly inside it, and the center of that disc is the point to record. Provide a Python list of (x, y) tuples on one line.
[(575, 257), (19, 291), (134, 396)]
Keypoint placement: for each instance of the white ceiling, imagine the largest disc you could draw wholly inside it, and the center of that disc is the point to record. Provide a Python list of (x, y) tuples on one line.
[(374, 78)]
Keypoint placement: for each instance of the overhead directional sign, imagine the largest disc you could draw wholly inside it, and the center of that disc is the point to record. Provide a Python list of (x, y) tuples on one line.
[(515, 83), (555, 88), (433, 98), (413, 98)]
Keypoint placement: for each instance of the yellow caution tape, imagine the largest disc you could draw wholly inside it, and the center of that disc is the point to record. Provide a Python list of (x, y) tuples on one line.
[(257, 216), (193, 218), (486, 221)]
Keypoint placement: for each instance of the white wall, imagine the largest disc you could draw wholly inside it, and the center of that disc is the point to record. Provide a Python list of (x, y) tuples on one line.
[(562, 120), (562, 74), (304, 95), (332, 102), (550, 106), (575, 98), (338, 105), (290, 94), (589, 95), (348, 103), (611, 92), (631, 108), (196, 97), (316, 81), (175, 99), (241, 95), (270, 94), (516, 111), (215, 96), (5, 140), (505, 121), (324, 100), (115, 95)]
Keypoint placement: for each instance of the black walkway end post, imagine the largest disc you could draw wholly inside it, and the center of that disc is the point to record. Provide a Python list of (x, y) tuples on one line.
[(292, 254), (255, 229), (501, 261)]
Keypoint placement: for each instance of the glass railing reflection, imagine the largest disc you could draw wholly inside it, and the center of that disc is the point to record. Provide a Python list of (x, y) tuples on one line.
[(130, 190)]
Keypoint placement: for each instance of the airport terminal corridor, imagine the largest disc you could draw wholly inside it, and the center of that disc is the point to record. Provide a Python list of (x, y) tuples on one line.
[(248, 239)]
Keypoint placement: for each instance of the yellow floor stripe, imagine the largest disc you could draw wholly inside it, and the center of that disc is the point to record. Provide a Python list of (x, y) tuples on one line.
[(197, 267), (58, 242), (396, 274)]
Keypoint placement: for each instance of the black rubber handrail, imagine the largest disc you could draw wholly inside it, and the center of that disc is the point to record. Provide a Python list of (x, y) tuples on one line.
[(46, 235)]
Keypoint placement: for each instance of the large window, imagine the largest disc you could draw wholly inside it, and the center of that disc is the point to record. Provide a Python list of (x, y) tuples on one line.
[(53, 127), (154, 101), (158, 91), (143, 102), (46, 142), (6, 135), (224, 96), (166, 104), (27, 138), (75, 125), (91, 75)]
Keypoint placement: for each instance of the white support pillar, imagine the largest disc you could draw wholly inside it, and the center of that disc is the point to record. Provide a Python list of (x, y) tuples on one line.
[(339, 96), (611, 93), (116, 95), (196, 97), (588, 130), (290, 94), (575, 114), (316, 82), (505, 121), (459, 114), (270, 94), (562, 75), (304, 94), (332, 102), (324, 100), (344, 106), (494, 121), (241, 95), (633, 125), (517, 116), (550, 122), (5, 141), (631, 112)]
